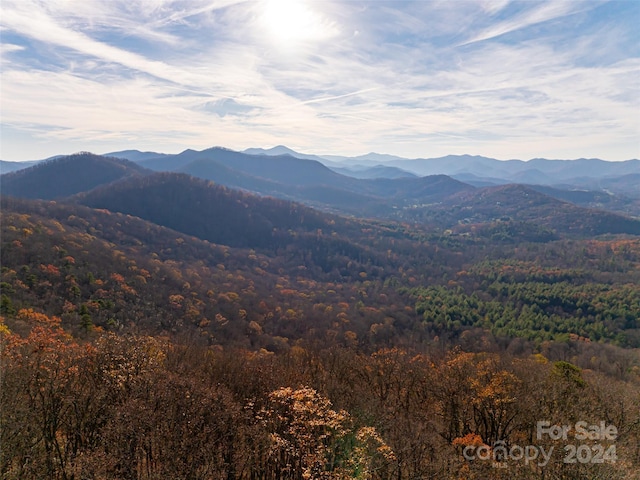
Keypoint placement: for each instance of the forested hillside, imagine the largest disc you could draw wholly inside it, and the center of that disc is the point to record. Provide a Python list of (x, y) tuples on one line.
[(311, 267), (166, 327), (140, 407), (64, 176)]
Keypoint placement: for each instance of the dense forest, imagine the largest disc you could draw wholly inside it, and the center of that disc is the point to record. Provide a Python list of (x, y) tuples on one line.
[(167, 327), (132, 406)]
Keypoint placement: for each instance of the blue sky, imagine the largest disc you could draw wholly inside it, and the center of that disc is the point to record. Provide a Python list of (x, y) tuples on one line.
[(499, 78)]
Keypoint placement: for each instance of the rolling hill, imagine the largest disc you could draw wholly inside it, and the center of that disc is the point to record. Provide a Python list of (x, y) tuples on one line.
[(65, 176), (181, 202), (299, 273), (205, 210), (320, 196), (282, 168), (307, 181), (116, 328), (525, 204)]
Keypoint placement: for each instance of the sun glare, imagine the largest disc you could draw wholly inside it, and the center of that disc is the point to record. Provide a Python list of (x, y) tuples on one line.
[(291, 21)]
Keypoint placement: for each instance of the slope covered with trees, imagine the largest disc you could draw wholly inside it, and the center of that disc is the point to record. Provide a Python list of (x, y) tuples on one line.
[(517, 211), (65, 176), (491, 206), (140, 407), (366, 281), (205, 210), (166, 327)]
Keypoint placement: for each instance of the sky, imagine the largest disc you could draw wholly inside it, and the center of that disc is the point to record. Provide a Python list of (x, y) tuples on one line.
[(498, 78)]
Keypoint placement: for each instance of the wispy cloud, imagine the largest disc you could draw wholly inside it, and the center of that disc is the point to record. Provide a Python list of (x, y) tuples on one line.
[(37, 25), (9, 47), (334, 97), (538, 12), (494, 6), (409, 78)]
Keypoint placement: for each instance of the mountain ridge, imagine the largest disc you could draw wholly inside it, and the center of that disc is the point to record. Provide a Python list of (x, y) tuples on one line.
[(436, 200), (199, 207), (64, 176)]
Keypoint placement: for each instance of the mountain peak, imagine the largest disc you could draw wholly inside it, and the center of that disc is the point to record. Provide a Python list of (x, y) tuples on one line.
[(273, 151)]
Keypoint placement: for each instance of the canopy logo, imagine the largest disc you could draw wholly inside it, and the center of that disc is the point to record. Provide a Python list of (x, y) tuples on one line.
[(583, 446)]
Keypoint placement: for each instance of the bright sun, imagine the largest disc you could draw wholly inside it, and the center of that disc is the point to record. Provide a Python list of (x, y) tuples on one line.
[(290, 21)]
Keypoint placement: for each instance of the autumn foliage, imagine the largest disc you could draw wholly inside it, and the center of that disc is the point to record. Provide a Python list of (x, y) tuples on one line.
[(354, 349), (139, 407)]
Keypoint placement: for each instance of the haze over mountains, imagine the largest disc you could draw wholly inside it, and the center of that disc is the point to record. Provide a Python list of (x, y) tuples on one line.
[(478, 168), (405, 190), (283, 220), (590, 173)]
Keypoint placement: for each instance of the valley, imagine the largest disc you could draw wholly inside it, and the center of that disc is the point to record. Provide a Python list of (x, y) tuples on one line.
[(404, 317)]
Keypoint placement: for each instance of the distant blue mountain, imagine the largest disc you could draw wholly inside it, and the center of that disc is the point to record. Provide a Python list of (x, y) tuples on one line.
[(431, 199), (136, 155), (374, 183), (281, 150), (377, 171), (518, 171), (7, 167)]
